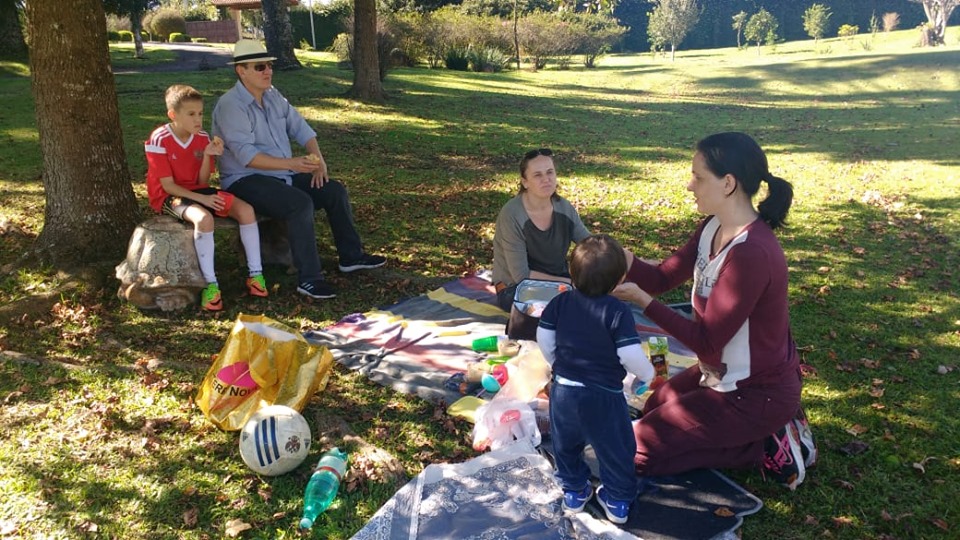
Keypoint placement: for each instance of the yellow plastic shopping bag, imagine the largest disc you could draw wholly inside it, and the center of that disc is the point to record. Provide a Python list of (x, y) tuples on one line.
[(263, 362)]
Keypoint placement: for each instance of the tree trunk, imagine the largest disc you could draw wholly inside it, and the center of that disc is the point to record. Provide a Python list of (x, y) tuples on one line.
[(938, 14), (279, 34), (934, 15), (90, 206), (516, 30), (366, 60), (11, 35), (136, 24)]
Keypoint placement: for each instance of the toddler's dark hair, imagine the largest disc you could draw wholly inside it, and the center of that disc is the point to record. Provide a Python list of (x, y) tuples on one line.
[(597, 265)]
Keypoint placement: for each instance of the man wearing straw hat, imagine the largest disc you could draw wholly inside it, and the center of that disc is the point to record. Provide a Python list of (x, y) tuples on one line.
[(256, 124)]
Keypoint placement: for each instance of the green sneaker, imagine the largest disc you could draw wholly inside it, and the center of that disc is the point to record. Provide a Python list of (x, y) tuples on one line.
[(256, 286), (210, 298)]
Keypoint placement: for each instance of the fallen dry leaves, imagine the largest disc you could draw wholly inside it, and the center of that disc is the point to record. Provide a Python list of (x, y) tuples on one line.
[(921, 466), (854, 448), (856, 430), (940, 524), (234, 527), (723, 511), (869, 364), (190, 517), (842, 521), (843, 484), (371, 464)]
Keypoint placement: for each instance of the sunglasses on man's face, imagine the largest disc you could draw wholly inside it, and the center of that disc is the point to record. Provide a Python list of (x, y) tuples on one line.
[(538, 152), (263, 66)]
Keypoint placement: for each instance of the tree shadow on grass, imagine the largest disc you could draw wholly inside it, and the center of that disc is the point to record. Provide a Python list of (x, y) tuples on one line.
[(488, 121), (638, 126), (833, 69), (837, 329)]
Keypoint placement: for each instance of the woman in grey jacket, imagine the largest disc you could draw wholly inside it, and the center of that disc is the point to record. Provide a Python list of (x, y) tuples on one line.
[(534, 229)]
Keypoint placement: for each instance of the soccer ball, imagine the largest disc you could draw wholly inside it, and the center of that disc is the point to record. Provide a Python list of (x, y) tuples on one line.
[(275, 440)]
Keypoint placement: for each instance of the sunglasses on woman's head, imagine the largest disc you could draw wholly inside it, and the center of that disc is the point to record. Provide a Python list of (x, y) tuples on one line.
[(262, 66), (538, 152)]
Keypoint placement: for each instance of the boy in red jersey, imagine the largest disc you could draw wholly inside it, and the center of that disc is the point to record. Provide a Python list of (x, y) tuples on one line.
[(180, 159)]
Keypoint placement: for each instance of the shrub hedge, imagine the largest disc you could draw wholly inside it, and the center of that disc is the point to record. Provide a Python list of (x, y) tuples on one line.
[(457, 40)]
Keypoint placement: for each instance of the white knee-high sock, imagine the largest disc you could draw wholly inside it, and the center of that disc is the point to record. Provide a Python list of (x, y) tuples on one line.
[(250, 238), (204, 244)]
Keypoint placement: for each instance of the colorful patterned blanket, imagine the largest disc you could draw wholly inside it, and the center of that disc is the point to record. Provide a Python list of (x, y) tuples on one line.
[(418, 345)]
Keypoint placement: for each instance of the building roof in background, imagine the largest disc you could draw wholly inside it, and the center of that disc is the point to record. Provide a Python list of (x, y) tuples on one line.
[(244, 4)]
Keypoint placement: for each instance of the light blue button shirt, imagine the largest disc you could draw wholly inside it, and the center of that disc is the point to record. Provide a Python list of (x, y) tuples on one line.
[(247, 129)]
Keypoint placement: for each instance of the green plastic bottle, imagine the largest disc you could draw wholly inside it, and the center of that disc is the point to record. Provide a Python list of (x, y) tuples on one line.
[(323, 486)]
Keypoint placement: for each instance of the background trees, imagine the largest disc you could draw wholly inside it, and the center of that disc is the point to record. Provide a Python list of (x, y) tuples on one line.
[(134, 11), (366, 57), (163, 22), (713, 26), (938, 14), (90, 207), (671, 20), (815, 21), (761, 28), (739, 23), (11, 35), (278, 34)]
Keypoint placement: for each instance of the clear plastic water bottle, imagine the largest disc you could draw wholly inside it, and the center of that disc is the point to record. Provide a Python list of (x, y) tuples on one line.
[(323, 486)]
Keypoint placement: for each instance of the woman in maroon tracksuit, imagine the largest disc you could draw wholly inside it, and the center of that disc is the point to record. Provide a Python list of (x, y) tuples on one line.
[(746, 385)]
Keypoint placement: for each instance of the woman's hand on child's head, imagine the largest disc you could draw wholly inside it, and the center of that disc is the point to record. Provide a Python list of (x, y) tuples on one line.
[(628, 291)]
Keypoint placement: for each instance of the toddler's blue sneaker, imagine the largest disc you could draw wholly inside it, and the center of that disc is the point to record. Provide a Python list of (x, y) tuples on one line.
[(574, 501), (617, 511)]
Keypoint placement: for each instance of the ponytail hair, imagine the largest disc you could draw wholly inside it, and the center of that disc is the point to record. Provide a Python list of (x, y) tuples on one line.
[(738, 155), (773, 209)]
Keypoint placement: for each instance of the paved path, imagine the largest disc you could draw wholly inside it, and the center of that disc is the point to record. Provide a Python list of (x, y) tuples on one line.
[(190, 57)]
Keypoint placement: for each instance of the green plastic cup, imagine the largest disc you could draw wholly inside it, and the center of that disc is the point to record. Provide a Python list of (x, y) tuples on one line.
[(485, 344)]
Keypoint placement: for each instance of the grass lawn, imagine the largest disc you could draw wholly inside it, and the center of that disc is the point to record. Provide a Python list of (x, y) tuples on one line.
[(98, 433)]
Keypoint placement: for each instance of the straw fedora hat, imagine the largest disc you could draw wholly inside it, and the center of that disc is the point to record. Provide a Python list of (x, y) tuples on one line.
[(250, 50)]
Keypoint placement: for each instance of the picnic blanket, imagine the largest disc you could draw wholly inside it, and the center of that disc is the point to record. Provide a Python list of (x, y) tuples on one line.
[(511, 493), (420, 346), (508, 493), (702, 503)]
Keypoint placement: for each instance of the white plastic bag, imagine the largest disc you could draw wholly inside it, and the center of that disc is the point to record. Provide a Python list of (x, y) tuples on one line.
[(503, 421)]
